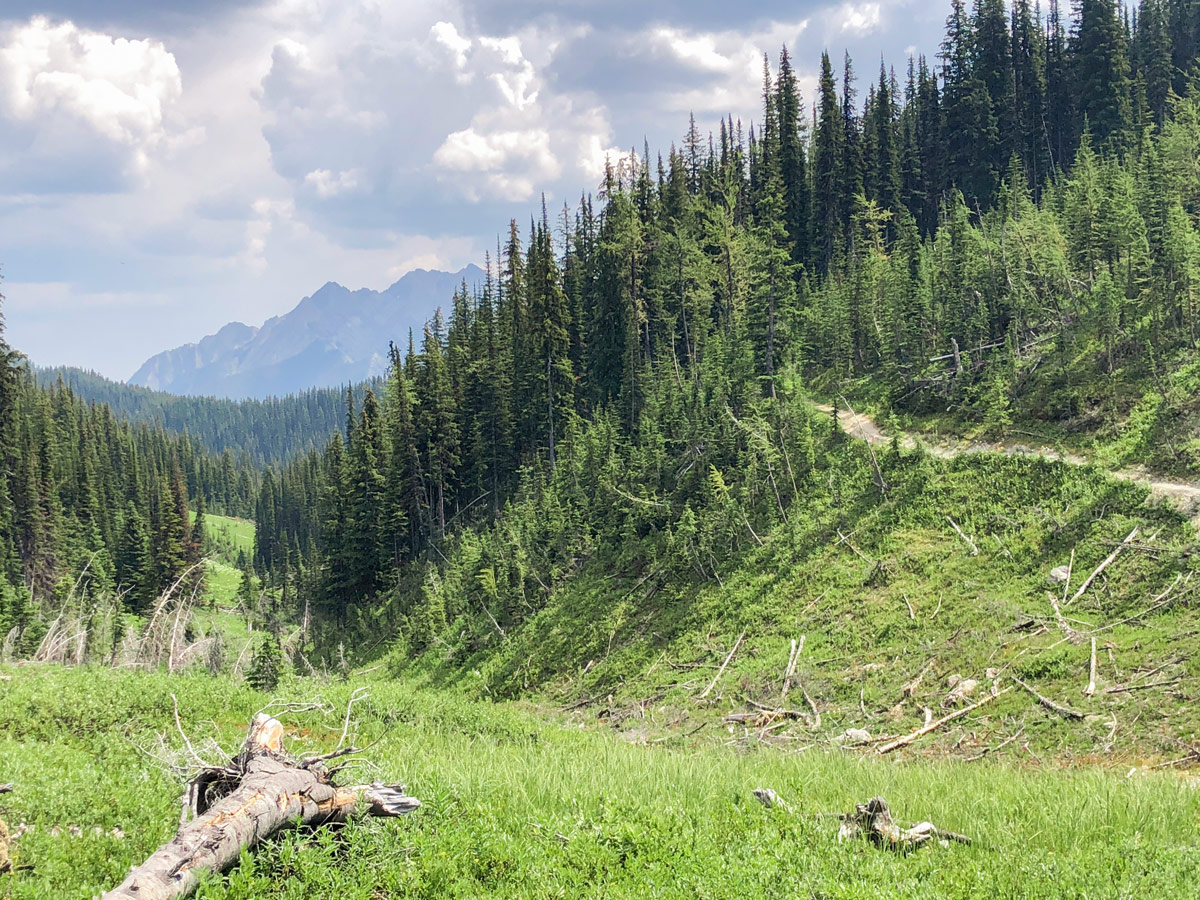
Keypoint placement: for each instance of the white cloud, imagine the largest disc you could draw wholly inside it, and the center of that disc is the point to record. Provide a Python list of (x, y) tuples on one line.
[(327, 184), (275, 144), (447, 35), (696, 50), (121, 89), (859, 18)]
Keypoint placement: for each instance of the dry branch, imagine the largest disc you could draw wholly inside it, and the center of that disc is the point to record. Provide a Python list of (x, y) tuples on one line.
[(874, 820), (1091, 686), (261, 791), (793, 658), (970, 543), (1128, 688), (1104, 565), (1063, 711), (721, 671), (910, 689), (936, 724)]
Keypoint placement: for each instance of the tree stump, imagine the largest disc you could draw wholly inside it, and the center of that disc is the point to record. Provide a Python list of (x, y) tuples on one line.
[(873, 819), (261, 791)]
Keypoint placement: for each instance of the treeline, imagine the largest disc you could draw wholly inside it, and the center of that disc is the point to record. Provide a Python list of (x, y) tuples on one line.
[(91, 505), (624, 386), (270, 431)]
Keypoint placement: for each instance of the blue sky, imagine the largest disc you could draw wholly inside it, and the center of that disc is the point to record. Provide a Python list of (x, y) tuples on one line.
[(167, 167)]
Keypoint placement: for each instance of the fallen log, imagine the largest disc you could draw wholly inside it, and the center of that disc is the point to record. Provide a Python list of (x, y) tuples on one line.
[(1104, 565), (721, 671), (261, 791), (5, 862), (1064, 711), (934, 726)]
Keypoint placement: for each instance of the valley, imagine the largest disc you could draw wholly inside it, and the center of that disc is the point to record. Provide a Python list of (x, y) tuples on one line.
[(841, 458)]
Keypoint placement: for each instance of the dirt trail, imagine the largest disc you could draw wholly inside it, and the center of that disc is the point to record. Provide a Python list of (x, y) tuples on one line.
[(1184, 495)]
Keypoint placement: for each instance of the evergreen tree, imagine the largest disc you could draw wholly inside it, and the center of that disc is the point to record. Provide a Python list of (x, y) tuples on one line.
[(793, 164), (1029, 89), (1102, 72), (827, 227)]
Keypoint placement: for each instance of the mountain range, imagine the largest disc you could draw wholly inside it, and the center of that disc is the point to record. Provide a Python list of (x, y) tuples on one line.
[(335, 336)]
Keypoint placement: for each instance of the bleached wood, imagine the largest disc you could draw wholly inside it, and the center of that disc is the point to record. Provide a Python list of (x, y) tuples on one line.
[(274, 791), (721, 671), (936, 724), (1104, 565)]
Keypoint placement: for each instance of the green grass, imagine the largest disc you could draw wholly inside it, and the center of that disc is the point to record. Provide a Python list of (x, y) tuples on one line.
[(519, 803), (229, 536), (900, 591)]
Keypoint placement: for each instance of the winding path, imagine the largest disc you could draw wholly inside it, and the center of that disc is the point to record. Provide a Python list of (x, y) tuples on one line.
[(1184, 495)]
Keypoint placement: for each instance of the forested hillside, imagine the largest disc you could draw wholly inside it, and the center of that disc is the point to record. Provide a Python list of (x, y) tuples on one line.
[(95, 510), (265, 431), (626, 390)]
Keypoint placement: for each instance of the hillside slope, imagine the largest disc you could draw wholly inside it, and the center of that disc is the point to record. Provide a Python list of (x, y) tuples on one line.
[(895, 595)]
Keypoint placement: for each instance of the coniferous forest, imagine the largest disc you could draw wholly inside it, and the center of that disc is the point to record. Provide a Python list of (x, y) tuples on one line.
[(1007, 227), (862, 427), (92, 506), (1017, 215), (268, 431)]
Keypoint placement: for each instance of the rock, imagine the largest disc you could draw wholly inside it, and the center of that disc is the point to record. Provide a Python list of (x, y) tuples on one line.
[(962, 688), (852, 737), (1059, 574)]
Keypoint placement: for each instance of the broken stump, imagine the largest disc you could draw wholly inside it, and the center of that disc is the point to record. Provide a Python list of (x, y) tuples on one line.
[(263, 790)]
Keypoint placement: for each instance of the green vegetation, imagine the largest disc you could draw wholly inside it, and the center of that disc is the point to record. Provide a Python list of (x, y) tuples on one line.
[(518, 804), (262, 431), (600, 484)]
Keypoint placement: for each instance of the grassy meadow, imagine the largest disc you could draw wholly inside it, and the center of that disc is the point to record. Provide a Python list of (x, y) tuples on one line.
[(521, 802)]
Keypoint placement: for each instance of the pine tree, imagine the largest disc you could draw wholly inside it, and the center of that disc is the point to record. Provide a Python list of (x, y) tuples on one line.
[(266, 665), (793, 164), (366, 548), (884, 167), (1061, 96), (850, 180), (993, 67), (436, 418), (969, 121), (1152, 56), (1029, 88), (827, 227), (1102, 72)]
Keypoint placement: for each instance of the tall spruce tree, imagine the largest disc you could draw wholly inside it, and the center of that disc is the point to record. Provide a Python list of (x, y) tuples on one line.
[(827, 227), (1101, 65)]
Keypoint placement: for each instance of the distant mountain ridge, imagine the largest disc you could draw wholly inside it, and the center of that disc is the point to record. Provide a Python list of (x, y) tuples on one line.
[(335, 336)]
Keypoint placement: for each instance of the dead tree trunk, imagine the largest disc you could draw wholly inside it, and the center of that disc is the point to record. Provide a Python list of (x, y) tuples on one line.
[(262, 791)]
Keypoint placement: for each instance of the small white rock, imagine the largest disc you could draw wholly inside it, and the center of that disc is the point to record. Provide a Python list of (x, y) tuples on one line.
[(853, 736)]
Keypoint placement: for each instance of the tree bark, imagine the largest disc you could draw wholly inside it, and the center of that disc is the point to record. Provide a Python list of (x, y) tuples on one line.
[(271, 791)]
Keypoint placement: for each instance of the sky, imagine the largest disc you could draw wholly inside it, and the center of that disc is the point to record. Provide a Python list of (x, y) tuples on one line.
[(170, 166)]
